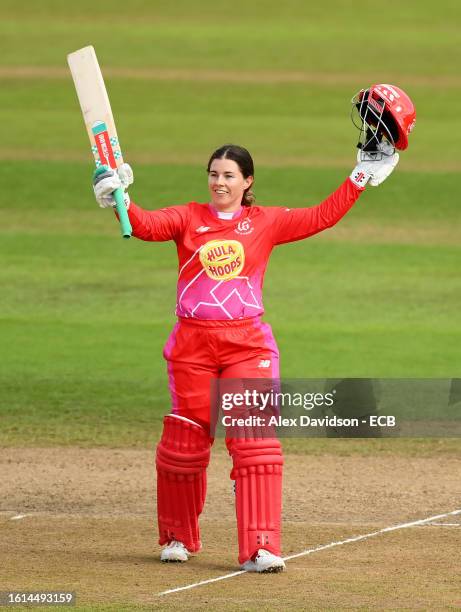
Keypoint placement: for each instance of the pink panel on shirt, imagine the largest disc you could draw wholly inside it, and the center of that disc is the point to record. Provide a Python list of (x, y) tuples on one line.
[(206, 298)]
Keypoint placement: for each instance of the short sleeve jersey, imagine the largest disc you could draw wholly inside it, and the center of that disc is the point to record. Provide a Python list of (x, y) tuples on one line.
[(221, 262)]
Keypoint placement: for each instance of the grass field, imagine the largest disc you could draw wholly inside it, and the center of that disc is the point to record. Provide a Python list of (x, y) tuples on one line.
[(84, 315)]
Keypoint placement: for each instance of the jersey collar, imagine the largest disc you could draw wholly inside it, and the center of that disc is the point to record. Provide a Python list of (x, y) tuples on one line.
[(214, 212)]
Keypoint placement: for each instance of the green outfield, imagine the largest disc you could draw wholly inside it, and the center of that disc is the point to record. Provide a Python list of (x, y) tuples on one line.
[(84, 314)]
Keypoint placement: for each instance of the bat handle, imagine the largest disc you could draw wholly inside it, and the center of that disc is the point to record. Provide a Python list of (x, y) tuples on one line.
[(122, 213)]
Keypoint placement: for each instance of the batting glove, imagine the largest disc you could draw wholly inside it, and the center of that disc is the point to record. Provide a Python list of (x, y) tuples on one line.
[(106, 181), (374, 167)]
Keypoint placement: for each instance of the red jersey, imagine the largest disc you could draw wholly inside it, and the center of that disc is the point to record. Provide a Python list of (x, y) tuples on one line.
[(222, 261)]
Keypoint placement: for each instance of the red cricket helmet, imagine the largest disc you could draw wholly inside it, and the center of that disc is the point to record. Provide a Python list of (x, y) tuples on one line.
[(384, 111)]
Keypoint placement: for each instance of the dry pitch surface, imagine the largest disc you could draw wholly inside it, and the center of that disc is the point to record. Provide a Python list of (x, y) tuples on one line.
[(88, 526)]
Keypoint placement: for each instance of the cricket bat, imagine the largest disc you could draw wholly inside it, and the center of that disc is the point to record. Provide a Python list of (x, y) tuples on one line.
[(99, 121)]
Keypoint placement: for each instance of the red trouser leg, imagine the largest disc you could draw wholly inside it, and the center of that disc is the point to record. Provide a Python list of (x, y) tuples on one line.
[(191, 368), (257, 462), (257, 473), (182, 457), (184, 450)]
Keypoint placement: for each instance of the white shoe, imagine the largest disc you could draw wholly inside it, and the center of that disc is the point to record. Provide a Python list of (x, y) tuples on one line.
[(174, 552), (264, 562)]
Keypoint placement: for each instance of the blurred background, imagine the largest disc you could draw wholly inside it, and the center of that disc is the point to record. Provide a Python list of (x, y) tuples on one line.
[(84, 314)]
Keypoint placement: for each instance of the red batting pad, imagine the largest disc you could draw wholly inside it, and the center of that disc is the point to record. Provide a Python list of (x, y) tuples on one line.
[(183, 455), (257, 473)]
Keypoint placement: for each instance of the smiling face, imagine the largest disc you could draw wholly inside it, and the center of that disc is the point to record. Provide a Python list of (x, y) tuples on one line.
[(227, 184)]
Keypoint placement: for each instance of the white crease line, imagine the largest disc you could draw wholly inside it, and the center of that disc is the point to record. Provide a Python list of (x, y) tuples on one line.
[(77, 515), (18, 517), (310, 551), (196, 584)]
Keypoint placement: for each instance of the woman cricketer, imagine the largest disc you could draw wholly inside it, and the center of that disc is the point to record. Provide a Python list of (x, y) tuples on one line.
[(223, 249)]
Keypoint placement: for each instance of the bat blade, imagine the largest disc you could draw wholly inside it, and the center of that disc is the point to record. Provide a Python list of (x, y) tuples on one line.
[(98, 118)]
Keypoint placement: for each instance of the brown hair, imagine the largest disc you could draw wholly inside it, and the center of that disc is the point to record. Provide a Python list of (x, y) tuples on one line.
[(244, 161)]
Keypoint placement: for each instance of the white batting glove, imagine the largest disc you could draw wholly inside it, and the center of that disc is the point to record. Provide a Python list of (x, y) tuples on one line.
[(125, 172), (105, 183), (374, 168)]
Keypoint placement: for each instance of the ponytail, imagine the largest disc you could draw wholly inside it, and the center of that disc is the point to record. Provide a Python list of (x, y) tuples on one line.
[(248, 197)]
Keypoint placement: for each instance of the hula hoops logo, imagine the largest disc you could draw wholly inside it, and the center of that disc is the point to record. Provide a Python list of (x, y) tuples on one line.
[(222, 259)]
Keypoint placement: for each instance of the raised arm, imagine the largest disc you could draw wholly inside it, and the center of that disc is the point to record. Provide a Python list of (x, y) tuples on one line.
[(153, 225), (291, 224), (158, 225)]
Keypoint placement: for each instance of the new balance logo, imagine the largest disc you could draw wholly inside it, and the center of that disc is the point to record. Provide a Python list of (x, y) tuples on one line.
[(202, 229), (264, 363)]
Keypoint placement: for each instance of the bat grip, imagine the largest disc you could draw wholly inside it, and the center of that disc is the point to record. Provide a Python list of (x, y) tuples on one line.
[(122, 213)]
